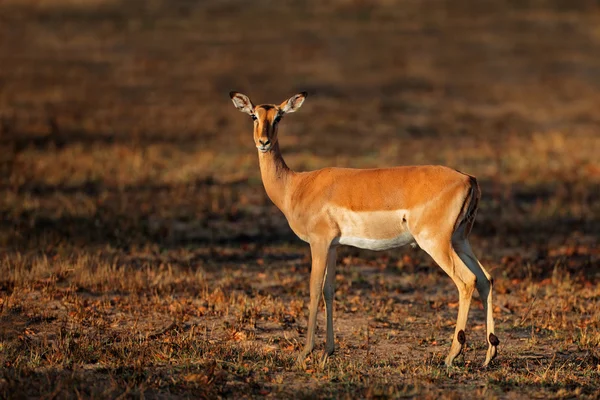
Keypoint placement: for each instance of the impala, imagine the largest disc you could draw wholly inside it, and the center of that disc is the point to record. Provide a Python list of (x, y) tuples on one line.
[(376, 209)]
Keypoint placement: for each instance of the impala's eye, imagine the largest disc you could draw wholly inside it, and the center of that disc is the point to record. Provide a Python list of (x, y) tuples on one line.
[(254, 117)]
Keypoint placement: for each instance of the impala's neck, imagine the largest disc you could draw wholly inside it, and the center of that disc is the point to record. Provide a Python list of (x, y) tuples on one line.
[(275, 175)]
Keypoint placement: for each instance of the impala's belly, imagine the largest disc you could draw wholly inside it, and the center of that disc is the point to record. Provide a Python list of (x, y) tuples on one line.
[(373, 230), (375, 244)]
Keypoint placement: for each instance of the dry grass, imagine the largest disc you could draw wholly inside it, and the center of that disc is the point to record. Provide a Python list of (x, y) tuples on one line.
[(141, 257)]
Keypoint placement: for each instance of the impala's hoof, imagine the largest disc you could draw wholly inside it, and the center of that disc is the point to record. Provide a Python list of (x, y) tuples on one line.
[(301, 362), (492, 350), (449, 360), (488, 360), (325, 357)]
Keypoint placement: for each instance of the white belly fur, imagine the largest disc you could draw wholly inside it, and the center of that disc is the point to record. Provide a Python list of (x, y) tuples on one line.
[(372, 230), (375, 244)]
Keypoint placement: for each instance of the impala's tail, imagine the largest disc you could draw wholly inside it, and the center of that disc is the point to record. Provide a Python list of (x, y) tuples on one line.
[(466, 218)]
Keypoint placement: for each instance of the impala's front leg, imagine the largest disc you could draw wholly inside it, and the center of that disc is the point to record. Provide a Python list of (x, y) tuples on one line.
[(319, 261)]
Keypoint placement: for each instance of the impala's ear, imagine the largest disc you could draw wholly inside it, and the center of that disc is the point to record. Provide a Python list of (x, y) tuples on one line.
[(293, 103), (242, 102)]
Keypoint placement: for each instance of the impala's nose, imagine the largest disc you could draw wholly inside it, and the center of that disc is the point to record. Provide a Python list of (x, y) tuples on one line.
[(264, 146)]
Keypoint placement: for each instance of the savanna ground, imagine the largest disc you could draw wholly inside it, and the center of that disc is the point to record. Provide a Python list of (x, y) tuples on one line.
[(140, 255)]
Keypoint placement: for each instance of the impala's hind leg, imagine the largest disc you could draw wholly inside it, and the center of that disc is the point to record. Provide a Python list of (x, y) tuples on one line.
[(484, 287), (443, 253)]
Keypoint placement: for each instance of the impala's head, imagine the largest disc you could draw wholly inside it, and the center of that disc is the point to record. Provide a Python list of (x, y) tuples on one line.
[(266, 117)]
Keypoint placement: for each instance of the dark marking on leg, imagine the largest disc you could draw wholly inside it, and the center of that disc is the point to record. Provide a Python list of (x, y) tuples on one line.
[(494, 341), (461, 337)]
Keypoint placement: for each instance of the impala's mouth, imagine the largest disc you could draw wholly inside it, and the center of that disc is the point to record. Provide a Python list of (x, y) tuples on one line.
[(263, 149)]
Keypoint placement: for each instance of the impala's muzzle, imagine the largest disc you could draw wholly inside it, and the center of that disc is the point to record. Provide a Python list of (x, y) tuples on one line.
[(264, 145)]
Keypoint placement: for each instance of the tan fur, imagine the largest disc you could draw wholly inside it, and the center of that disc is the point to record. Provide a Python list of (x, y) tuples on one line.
[(434, 206)]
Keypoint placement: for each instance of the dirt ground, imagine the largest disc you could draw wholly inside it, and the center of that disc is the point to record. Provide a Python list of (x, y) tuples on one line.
[(140, 256)]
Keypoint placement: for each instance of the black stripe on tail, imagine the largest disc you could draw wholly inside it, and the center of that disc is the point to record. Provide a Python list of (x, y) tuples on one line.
[(469, 208)]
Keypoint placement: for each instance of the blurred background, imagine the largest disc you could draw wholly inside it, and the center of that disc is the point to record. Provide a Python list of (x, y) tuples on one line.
[(117, 130), (140, 255)]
